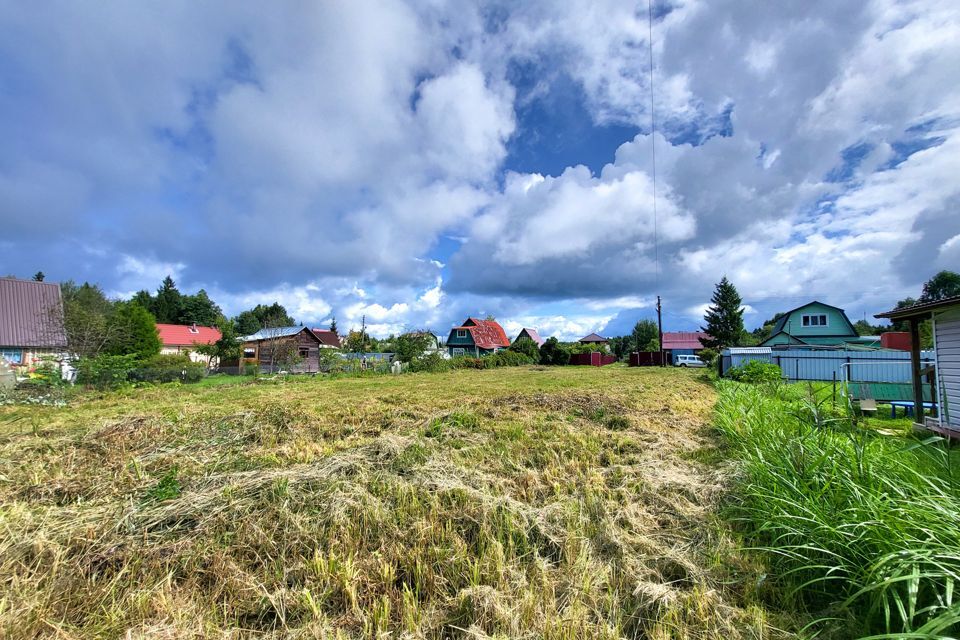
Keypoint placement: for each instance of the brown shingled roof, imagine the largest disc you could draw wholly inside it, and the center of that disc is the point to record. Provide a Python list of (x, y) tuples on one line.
[(327, 337), (31, 314)]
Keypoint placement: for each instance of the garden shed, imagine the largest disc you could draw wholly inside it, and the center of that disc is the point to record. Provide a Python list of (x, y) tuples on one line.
[(944, 316)]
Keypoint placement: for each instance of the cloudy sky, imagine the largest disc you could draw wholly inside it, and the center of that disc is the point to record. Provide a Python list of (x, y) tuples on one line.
[(420, 162)]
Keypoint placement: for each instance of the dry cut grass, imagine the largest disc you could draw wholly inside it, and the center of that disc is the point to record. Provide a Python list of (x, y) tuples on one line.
[(511, 503)]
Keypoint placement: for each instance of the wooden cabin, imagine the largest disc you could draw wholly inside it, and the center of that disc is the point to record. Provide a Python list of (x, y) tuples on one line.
[(477, 337), (945, 372), (291, 349)]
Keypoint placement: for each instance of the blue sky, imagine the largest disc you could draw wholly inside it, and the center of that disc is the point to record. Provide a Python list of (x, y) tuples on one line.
[(416, 163)]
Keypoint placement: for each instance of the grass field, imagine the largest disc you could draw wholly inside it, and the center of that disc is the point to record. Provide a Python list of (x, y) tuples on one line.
[(522, 502)]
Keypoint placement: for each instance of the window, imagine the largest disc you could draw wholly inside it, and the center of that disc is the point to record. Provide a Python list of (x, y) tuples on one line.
[(304, 352), (458, 351), (249, 352), (13, 356), (461, 333), (815, 320)]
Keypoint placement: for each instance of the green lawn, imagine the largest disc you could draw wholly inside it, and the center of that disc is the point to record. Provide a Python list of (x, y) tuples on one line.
[(531, 502)]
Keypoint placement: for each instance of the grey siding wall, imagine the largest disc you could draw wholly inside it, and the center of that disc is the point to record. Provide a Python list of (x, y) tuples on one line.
[(947, 327)]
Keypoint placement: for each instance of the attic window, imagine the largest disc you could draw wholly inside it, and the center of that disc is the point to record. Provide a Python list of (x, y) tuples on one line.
[(816, 320), (461, 333)]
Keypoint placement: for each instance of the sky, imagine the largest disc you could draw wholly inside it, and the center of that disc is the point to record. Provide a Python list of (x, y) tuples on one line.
[(417, 163)]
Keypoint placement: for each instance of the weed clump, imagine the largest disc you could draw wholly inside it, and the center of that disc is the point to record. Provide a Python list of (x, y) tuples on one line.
[(853, 525)]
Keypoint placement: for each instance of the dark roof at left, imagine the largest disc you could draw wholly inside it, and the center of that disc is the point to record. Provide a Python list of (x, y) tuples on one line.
[(31, 314)]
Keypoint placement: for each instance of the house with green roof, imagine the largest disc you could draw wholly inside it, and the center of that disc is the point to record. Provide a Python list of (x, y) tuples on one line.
[(816, 324)]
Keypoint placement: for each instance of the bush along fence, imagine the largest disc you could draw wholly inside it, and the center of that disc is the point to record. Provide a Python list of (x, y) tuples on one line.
[(861, 530)]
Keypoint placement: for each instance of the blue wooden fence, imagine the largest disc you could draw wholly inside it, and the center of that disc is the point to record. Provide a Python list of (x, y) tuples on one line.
[(865, 366)]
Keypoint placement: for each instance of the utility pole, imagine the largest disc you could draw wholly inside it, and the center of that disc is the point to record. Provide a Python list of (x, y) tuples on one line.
[(660, 332)]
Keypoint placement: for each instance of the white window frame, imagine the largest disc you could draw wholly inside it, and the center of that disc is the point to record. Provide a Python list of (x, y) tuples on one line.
[(807, 320), (7, 354), (458, 351), (461, 333)]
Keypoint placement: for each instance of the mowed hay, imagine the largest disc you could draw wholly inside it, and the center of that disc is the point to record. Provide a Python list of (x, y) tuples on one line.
[(520, 503)]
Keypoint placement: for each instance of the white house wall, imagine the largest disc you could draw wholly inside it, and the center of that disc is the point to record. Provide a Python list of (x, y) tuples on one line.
[(947, 337)]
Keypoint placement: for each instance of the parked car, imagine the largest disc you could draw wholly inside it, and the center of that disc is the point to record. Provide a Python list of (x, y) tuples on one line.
[(688, 361)]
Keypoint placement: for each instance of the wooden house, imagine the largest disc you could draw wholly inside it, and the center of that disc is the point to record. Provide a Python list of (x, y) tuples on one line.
[(31, 322), (816, 324), (292, 349), (532, 334), (945, 372), (477, 337)]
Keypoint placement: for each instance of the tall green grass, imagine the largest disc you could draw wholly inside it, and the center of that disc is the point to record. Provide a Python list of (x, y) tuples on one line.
[(859, 529)]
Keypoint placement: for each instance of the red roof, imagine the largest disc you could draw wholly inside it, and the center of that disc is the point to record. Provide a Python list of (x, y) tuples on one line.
[(487, 334), (682, 340), (184, 335), (327, 337)]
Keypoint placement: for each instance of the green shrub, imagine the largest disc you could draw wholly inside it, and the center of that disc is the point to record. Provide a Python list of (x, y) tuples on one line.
[(709, 356), (552, 352), (755, 372), (498, 359), (105, 371), (430, 362), (527, 347), (166, 360), (508, 359), (168, 368)]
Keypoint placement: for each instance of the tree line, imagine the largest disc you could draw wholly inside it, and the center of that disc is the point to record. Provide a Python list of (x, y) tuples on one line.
[(96, 325)]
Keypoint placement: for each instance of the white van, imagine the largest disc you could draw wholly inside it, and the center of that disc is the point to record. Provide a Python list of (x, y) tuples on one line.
[(688, 361)]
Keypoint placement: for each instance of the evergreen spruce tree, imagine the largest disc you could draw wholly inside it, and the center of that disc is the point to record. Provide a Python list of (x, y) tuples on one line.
[(333, 324), (167, 304), (39, 276), (724, 317)]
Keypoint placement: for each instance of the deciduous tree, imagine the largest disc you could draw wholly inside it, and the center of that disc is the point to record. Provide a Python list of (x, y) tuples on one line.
[(945, 284)]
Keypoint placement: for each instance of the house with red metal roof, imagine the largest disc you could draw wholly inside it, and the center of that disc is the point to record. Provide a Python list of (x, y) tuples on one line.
[(676, 343), (477, 337), (532, 334), (31, 322), (184, 338)]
